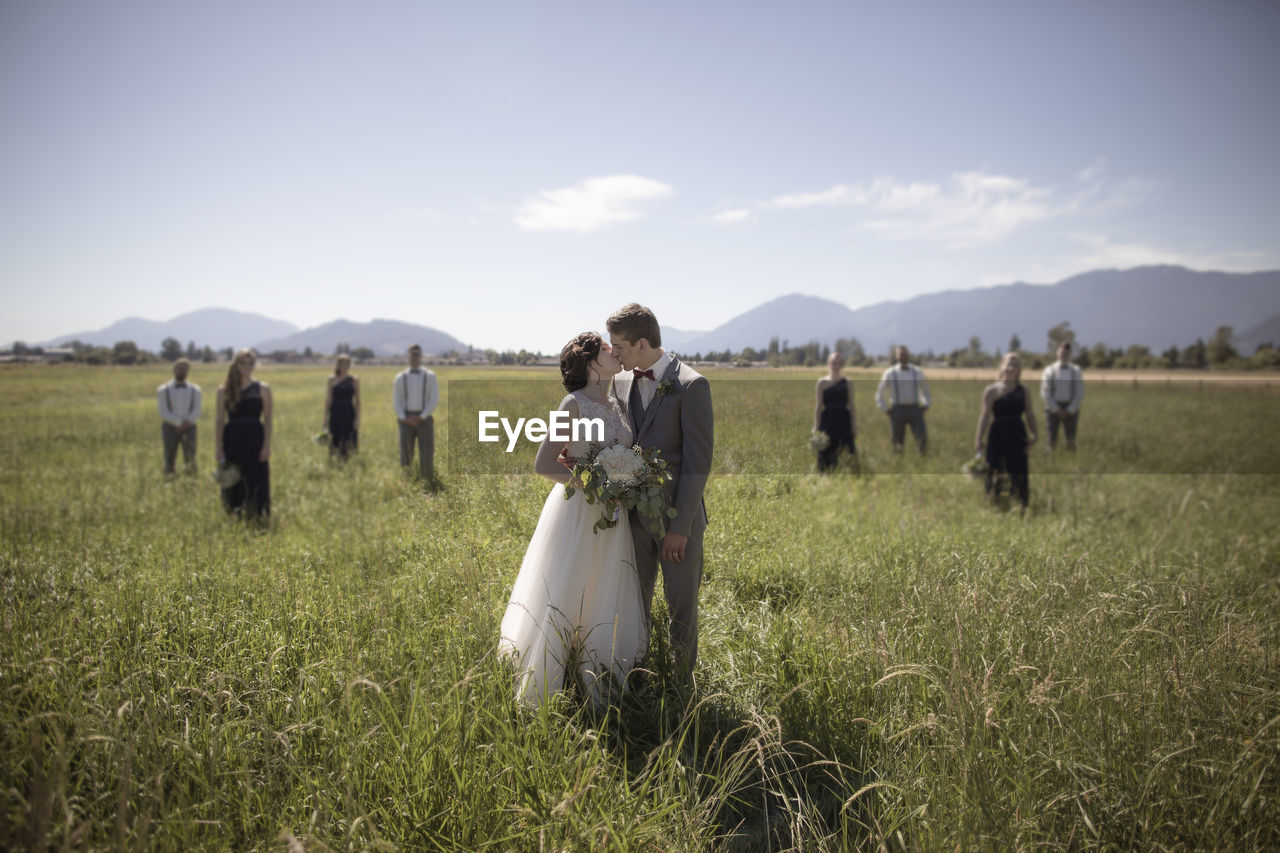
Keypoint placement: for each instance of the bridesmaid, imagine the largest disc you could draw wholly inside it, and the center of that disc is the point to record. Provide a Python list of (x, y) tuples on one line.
[(1004, 407), (243, 437), (342, 409), (834, 414)]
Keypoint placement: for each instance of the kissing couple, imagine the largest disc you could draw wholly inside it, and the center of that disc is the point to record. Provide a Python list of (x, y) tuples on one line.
[(581, 602)]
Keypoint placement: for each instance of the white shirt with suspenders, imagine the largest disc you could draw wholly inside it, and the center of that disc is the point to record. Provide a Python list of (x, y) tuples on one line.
[(178, 403)]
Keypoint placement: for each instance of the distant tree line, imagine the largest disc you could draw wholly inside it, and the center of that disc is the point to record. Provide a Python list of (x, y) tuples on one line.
[(511, 357), (1219, 352)]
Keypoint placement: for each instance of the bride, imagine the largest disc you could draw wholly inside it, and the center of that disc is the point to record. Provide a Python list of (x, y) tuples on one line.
[(576, 603)]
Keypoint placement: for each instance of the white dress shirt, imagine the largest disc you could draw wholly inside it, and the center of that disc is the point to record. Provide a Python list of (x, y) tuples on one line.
[(1062, 385), (178, 403), (649, 386), (908, 387), (417, 391)]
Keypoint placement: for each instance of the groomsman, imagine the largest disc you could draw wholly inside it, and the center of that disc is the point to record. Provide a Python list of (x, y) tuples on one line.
[(910, 391), (416, 394), (179, 403), (1062, 389)]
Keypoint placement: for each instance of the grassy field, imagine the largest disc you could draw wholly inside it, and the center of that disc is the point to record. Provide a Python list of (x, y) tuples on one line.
[(886, 661)]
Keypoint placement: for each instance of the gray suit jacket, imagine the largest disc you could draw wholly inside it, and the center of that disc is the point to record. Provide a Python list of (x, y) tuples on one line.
[(679, 423)]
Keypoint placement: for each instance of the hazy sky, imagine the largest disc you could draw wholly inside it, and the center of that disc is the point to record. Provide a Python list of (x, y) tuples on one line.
[(509, 172)]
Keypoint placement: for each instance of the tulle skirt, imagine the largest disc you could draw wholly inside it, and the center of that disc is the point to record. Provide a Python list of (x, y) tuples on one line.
[(575, 605)]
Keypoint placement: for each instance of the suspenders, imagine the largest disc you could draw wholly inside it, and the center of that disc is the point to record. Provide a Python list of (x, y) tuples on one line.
[(897, 392), (191, 402), (405, 382)]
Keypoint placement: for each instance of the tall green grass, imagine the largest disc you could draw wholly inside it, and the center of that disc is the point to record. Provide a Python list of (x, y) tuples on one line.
[(886, 661)]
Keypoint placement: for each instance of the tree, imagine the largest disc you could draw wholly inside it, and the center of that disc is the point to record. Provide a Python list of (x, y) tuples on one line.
[(193, 351), (124, 352), (1061, 334), (208, 356), (1219, 349), (307, 353), (226, 353), (362, 353), (1194, 355), (1015, 343), (171, 349)]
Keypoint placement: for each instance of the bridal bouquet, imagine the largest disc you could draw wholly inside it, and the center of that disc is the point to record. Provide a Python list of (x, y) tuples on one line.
[(322, 437), (819, 441), (624, 478)]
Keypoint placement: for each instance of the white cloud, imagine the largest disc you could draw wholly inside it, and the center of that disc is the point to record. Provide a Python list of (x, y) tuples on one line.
[(730, 217), (590, 204), (839, 194), (970, 208)]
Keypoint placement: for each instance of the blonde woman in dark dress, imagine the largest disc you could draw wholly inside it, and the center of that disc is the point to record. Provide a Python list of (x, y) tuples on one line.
[(342, 409), (243, 437), (834, 414), (1013, 430)]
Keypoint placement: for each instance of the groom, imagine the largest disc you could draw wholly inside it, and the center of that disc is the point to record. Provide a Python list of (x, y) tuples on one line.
[(669, 406)]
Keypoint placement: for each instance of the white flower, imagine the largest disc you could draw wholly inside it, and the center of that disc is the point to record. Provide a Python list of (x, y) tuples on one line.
[(621, 465)]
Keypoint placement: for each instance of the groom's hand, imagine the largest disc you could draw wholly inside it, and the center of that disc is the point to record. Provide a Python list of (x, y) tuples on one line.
[(673, 545)]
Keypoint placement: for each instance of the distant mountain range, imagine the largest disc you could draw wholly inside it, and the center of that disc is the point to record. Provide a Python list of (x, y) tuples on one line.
[(223, 327), (1155, 306), (215, 327), (1266, 332), (384, 337)]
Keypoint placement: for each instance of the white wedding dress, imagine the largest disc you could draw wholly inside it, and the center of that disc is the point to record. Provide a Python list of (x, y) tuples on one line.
[(576, 601)]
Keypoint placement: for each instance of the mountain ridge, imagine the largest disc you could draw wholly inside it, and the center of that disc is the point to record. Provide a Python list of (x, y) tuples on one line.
[(1155, 306)]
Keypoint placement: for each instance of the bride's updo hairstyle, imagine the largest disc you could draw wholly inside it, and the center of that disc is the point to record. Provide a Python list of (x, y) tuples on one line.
[(576, 358)]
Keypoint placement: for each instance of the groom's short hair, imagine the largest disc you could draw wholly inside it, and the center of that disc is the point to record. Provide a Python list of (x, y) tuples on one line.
[(634, 322)]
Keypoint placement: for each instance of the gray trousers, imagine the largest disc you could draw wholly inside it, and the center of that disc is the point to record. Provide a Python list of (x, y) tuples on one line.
[(680, 584), (1069, 423), (171, 438), (424, 434), (900, 417)]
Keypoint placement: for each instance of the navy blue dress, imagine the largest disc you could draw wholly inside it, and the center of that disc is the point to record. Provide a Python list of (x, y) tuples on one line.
[(1007, 444), (242, 438), (342, 418), (836, 423)]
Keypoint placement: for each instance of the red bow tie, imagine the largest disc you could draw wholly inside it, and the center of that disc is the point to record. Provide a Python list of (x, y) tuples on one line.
[(647, 374)]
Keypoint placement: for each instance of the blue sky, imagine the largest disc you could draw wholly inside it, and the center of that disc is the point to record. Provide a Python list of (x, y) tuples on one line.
[(511, 172)]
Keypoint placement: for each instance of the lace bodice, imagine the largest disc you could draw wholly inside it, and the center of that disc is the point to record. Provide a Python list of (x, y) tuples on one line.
[(616, 428)]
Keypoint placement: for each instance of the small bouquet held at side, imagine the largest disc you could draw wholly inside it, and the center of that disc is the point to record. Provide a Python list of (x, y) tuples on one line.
[(226, 474), (621, 479), (819, 441), (976, 468)]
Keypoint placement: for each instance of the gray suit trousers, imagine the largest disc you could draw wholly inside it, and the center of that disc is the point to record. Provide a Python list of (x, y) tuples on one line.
[(425, 437), (900, 417), (680, 584), (171, 438)]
